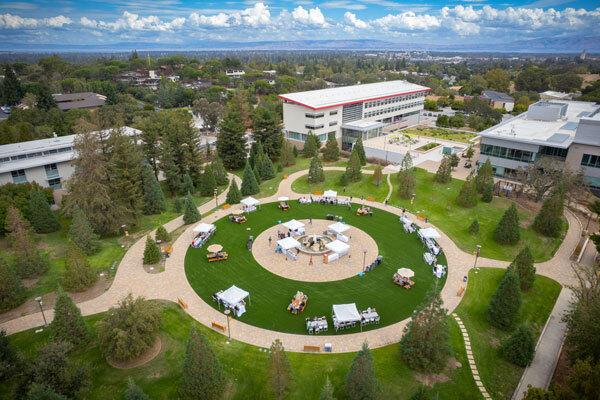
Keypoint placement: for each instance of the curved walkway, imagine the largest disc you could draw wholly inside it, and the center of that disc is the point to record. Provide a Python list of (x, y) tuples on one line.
[(172, 284)]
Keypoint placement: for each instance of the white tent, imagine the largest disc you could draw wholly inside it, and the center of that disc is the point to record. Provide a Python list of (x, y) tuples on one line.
[(288, 243), (203, 228), (407, 272), (330, 193), (233, 295), (338, 227), (429, 233), (293, 225), (250, 201), (339, 247), (283, 198), (346, 312)]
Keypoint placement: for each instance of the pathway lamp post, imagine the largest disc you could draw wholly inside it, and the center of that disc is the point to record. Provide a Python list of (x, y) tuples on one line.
[(39, 300), (477, 252), (227, 312)]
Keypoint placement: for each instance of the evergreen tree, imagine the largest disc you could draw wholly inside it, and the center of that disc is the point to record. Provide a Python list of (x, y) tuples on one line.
[(81, 233), (507, 231), (42, 218), (327, 391), (406, 177), (38, 391), (360, 150), (253, 156), (154, 198), (12, 292), (474, 227), (344, 180), (11, 89), (172, 171), (549, 220), (295, 151), (378, 175), (68, 324), (519, 348), (134, 392), (28, 260), (421, 394), (484, 175), (219, 172), (190, 212), (288, 156), (488, 192), (425, 345), (503, 310), (266, 130), (233, 195), (203, 375), (353, 169), (332, 150), (361, 383), (279, 371), (78, 274), (444, 171), (10, 358), (523, 265), (467, 197), (162, 234), (54, 370), (178, 205), (249, 183), (231, 143), (257, 174), (266, 169), (312, 144), (315, 171), (207, 182), (151, 252), (45, 101), (187, 185)]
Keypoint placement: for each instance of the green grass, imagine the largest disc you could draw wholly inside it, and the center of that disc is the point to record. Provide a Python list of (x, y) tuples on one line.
[(427, 147), (500, 376), (439, 133), (270, 294), (364, 188), (438, 203)]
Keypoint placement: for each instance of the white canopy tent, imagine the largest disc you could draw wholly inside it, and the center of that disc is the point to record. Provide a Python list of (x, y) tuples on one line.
[(204, 228), (250, 202), (339, 247), (346, 313), (232, 296), (288, 243), (283, 198), (330, 194), (293, 225), (338, 227), (429, 233), (407, 272)]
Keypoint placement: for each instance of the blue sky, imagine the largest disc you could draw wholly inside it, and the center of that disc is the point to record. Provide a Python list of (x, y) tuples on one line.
[(189, 22)]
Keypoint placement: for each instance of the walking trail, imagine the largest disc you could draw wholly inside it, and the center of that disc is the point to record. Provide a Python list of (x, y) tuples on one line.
[(172, 285)]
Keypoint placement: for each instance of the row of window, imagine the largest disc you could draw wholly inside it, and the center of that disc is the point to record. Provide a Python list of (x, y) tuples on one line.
[(36, 154), (19, 176), (302, 136), (392, 109), (553, 152), (590, 160), (391, 100), (313, 127), (508, 153), (319, 115)]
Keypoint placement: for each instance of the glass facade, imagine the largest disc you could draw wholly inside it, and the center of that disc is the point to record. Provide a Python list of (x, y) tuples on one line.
[(556, 152), (349, 136), (508, 153)]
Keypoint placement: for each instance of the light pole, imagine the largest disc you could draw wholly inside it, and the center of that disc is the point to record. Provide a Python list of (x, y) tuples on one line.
[(227, 312), (364, 260), (216, 200), (39, 300), (588, 221), (476, 257), (310, 185)]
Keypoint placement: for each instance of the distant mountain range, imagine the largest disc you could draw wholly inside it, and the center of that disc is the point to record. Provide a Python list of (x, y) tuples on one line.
[(545, 45)]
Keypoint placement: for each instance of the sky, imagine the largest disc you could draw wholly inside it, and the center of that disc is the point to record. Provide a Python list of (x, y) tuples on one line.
[(191, 22)]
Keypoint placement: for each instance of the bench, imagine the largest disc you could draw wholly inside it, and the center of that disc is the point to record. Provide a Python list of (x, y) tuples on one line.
[(182, 303), (460, 292), (218, 326), (311, 348)]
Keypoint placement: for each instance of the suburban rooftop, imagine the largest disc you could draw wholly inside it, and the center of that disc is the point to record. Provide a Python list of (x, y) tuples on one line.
[(68, 101), (325, 98)]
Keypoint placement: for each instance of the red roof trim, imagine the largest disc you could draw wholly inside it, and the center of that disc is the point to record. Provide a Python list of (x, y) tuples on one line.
[(352, 102)]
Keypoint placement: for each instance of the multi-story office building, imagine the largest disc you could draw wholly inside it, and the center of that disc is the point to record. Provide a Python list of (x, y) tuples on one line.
[(566, 131), (350, 111), (45, 161)]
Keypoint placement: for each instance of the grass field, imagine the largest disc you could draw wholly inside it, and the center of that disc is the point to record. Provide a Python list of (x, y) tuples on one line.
[(270, 294), (499, 376), (364, 188), (439, 133)]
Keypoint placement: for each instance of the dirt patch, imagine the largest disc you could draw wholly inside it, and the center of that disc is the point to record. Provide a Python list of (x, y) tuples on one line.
[(29, 282), (563, 368), (432, 379), (145, 358)]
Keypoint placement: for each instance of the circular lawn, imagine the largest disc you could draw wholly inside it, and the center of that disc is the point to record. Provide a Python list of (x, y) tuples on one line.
[(270, 294)]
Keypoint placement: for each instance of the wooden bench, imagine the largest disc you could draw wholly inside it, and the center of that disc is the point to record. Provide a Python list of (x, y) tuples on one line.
[(182, 303), (218, 326), (460, 292), (311, 348)]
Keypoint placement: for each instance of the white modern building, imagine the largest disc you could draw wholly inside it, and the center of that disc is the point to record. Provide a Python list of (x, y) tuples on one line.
[(566, 131), (45, 161), (350, 111)]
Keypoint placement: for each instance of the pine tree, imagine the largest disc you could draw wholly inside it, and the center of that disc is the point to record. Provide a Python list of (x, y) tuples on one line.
[(233, 195), (11, 89), (38, 391), (361, 383), (523, 265), (484, 175), (425, 345), (295, 151), (257, 174), (178, 205), (249, 183), (332, 150), (360, 150), (12, 292), (154, 198), (315, 171), (488, 192), (207, 182), (68, 324), (444, 171), (28, 261), (10, 358), (507, 231), (162, 234), (42, 218), (78, 274), (134, 392), (378, 175), (202, 372), (279, 370), (253, 156), (172, 172), (503, 310), (81, 233), (421, 394), (151, 252), (266, 130), (219, 172), (519, 348), (187, 185), (353, 169), (406, 178), (190, 212), (266, 169), (549, 220), (474, 227), (288, 156), (327, 391), (467, 197), (312, 144), (231, 143)]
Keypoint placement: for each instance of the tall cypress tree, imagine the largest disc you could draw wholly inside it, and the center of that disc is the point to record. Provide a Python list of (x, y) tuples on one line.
[(42, 218), (249, 183), (28, 260), (406, 177), (503, 310), (82, 234), (266, 130), (233, 195), (287, 154), (12, 292), (549, 220), (219, 172), (353, 169), (190, 212), (361, 383), (507, 231), (207, 182), (523, 265), (78, 274), (11, 89), (315, 171), (360, 150), (202, 372), (68, 324), (231, 143), (154, 198)]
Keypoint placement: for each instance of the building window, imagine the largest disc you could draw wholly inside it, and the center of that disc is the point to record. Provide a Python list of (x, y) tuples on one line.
[(54, 183), (508, 153), (333, 123), (333, 112), (553, 152), (590, 160), (322, 137), (19, 176), (307, 126), (51, 171), (320, 115)]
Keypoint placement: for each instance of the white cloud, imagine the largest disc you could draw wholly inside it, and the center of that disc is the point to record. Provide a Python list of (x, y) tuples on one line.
[(133, 22), (220, 20), (463, 28), (346, 5), (255, 16), (10, 21), (312, 16), (352, 20), (408, 21)]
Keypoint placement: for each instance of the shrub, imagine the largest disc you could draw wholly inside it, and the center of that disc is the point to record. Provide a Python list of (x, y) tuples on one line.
[(519, 348), (151, 251), (474, 227), (162, 234)]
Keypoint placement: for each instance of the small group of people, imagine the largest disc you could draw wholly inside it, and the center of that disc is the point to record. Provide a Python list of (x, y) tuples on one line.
[(284, 206), (374, 264), (237, 218), (283, 235), (311, 241), (364, 210), (298, 303), (403, 281)]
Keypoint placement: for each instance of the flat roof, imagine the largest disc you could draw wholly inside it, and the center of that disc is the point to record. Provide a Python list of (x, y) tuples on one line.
[(68, 101), (558, 133), (363, 125), (343, 95)]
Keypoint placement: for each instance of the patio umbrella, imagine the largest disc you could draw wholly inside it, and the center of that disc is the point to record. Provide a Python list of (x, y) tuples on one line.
[(407, 272), (214, 248), (283, 198)]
